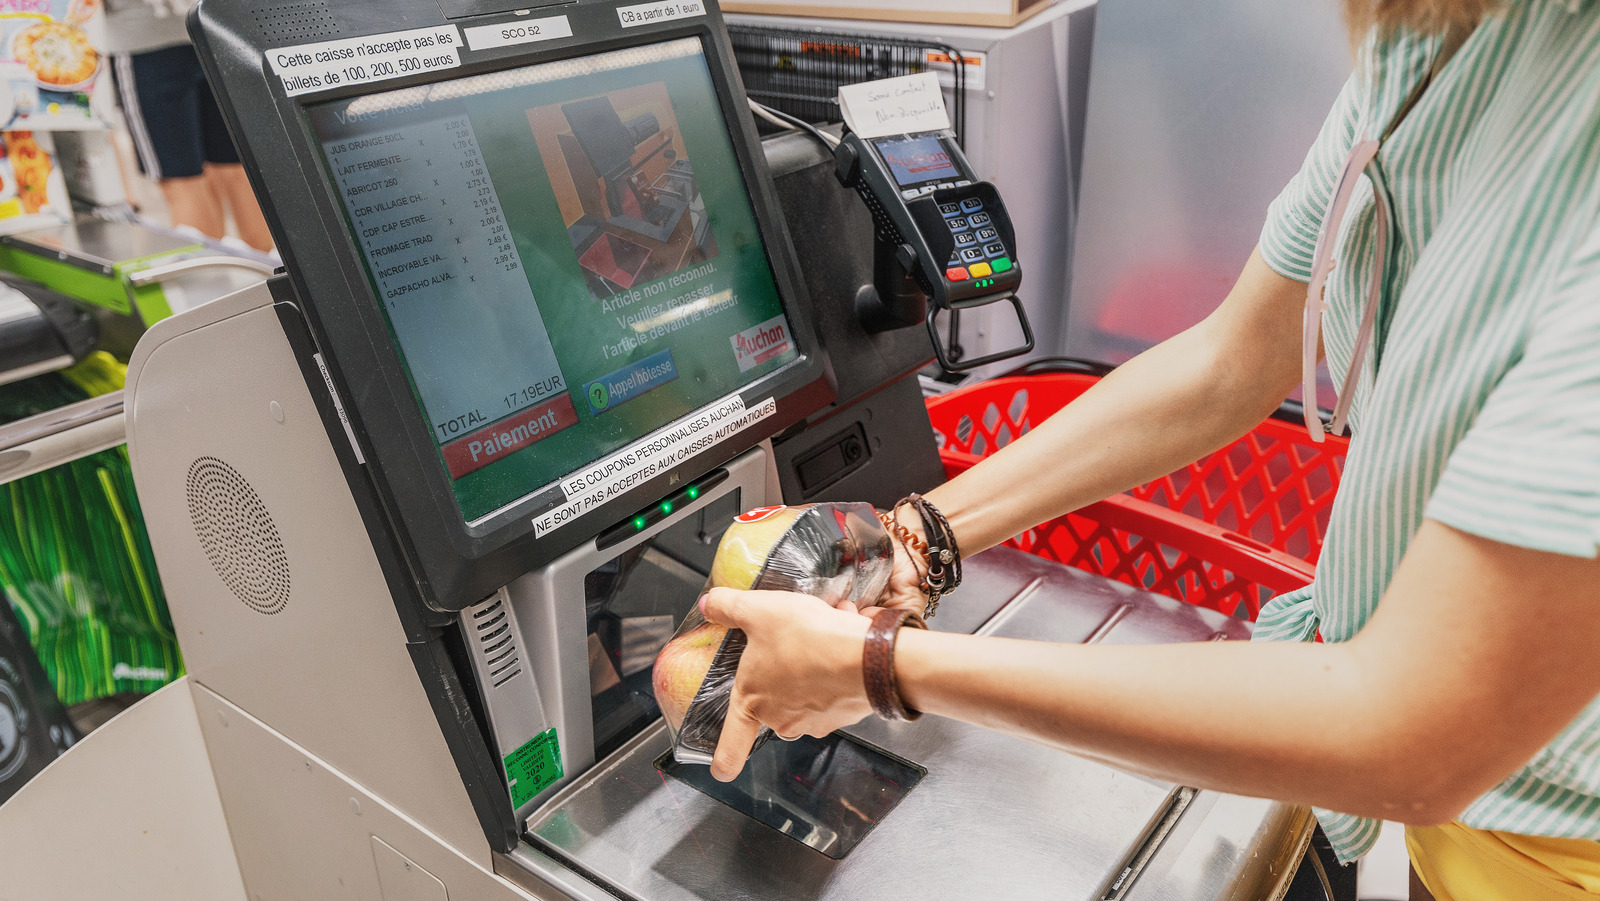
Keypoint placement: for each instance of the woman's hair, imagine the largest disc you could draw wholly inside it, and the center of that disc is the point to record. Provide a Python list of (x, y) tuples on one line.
[(1429, 16)]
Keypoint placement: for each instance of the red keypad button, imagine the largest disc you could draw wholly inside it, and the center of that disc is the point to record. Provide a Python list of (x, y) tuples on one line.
[(956, 274)]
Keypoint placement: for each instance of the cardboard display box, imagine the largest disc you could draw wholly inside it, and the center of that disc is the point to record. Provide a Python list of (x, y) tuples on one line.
[(992, 13)]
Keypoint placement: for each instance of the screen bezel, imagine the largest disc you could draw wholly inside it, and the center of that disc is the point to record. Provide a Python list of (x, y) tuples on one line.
[(457, 562)]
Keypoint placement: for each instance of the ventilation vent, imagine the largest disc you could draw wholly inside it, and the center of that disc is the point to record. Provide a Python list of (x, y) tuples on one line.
[(307, 20), (493, 633), (238, 536)]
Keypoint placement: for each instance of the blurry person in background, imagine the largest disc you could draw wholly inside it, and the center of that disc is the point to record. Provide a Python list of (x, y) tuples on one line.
[(177, 129)]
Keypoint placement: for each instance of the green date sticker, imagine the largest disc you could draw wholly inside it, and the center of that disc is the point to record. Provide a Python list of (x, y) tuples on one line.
[(532, 768)]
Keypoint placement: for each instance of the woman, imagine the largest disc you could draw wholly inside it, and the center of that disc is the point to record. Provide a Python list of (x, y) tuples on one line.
[(1458, 594)]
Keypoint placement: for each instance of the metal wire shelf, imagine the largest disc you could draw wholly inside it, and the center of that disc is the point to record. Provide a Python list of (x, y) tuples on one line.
[(799, 72)]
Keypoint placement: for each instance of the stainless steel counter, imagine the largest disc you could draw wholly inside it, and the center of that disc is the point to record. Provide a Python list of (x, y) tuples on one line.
[(96, 245), (59, 436), (994, 817)]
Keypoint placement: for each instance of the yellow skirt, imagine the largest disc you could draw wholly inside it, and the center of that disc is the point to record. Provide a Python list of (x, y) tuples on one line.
[(1458, 863)]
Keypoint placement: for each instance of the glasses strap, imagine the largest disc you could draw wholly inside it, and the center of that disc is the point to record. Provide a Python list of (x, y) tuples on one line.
[(1322, 263), (1369, 318)]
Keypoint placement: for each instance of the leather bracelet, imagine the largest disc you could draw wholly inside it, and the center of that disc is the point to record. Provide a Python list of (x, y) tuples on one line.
[(940, 555), (948, 537), (943, 557), (877, 663)]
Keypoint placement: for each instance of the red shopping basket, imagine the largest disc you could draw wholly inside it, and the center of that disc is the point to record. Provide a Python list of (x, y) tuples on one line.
[(1274, 486), (1150, 547)]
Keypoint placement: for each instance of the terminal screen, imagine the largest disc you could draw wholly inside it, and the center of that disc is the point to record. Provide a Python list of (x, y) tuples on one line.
[(565, 253), (918, 159)]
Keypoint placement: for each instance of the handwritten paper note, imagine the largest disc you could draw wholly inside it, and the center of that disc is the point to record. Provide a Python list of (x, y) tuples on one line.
[(894, 106)]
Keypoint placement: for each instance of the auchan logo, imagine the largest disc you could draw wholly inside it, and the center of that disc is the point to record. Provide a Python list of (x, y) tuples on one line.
[(760, 343)]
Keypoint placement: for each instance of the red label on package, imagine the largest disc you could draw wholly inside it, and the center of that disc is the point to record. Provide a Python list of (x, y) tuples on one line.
[(758, 514), (522, 429)]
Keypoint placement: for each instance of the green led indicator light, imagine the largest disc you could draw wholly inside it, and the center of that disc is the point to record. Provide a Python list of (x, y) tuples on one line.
[(666, 506), (639, 522), (693, 492)]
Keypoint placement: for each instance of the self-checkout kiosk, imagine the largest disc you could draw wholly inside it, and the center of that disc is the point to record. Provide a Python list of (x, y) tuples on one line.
[(427, 505)]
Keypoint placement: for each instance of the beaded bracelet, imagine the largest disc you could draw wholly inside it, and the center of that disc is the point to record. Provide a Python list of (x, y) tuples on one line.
[(937, 558)]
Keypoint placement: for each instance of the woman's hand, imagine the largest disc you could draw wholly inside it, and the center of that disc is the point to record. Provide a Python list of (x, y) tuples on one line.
[(800, 673), (904, 591)]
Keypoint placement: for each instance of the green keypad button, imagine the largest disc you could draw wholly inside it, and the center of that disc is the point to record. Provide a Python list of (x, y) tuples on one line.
[(1001, 265)]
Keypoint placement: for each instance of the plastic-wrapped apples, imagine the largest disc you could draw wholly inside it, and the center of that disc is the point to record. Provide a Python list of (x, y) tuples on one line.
[(836, 552)]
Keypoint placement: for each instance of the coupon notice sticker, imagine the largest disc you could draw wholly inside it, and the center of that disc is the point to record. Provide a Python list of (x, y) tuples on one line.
[(591, 487)]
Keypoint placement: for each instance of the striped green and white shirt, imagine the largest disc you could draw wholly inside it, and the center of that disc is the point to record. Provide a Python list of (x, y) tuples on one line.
[(1480, 404)]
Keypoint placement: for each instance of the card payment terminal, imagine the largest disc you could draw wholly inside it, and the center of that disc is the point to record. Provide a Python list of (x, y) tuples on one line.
[(948, 228)]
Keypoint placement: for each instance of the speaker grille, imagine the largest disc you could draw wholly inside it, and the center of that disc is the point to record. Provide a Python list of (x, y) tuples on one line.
[(238, 535), (303, 21)]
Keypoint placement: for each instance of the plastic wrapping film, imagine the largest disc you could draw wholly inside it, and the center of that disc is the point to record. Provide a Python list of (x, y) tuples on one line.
[(75, 559), (836, 552)]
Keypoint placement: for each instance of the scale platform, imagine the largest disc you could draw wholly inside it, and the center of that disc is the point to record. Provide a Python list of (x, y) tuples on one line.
[(933, 809)]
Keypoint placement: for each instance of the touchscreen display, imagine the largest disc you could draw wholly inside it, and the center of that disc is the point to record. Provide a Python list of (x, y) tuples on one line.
[(566, 255), (918, 159)]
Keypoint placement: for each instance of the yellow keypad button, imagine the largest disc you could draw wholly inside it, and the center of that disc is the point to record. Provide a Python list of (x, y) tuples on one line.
[(979, 270)]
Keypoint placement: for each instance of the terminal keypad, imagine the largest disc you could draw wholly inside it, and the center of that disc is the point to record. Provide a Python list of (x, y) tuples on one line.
[(979, 252)]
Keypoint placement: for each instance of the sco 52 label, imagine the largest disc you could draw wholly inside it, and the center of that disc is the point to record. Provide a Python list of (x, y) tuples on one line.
[(506, 34)]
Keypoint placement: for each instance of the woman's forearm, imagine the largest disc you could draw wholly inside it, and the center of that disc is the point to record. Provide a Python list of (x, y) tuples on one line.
[(1225, 716), (1477, 656), (1169, 406)]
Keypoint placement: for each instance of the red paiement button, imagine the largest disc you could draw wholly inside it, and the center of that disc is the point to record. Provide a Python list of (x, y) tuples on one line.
[(958, 274)]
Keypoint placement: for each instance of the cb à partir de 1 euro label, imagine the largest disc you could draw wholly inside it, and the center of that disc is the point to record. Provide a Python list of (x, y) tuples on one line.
[(306, 68), (665, 11)]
